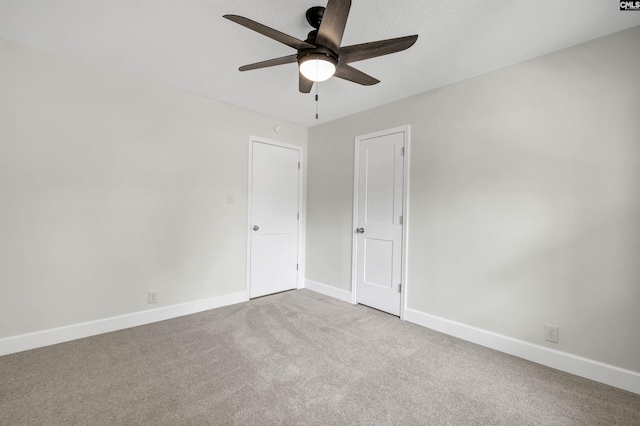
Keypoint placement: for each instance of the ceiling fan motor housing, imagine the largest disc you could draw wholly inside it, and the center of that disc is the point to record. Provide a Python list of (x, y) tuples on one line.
[(314, 18), (319, 52)]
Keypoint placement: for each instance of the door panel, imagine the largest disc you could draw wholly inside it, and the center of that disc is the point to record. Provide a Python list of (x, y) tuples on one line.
[(274, 217), (379, 184), (378, 258), (380, 202)]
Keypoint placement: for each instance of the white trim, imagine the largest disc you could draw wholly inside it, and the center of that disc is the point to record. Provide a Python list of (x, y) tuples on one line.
[(328, 290), (406, 129), (54, 336), (405, 222), (301, 209), (583, 367)]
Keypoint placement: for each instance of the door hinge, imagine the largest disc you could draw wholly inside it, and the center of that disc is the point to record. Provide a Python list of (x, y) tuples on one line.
[(403, 151), (399, 288), (298, 216), (401, 219), (298, 165), (296, 266)]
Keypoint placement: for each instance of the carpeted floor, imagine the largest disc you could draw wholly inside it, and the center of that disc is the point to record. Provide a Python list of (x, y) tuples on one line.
[(294, 358)]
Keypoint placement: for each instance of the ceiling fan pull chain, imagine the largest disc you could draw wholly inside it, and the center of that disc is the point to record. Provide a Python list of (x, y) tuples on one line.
[(317, 84)]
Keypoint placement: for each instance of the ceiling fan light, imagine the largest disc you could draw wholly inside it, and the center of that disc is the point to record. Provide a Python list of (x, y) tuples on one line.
[(317, 67)]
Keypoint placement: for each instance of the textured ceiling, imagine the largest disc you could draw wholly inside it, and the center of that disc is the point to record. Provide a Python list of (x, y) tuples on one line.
[(188, 45)]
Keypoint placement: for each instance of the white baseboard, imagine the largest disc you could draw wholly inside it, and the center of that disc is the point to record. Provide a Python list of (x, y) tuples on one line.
[(53, 336), (328, 290), (583, 367)]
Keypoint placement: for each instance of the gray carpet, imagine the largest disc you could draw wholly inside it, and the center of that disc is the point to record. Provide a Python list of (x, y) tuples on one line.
[(294, 358)]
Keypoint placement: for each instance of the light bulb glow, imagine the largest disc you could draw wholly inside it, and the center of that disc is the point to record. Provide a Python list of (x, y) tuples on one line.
[(317, 68)]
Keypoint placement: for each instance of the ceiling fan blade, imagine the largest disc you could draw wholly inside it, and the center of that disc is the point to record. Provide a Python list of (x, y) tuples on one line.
[(304, 85), (333, 22), (270, 32), (347, 72), (270, 63), (359, 52)]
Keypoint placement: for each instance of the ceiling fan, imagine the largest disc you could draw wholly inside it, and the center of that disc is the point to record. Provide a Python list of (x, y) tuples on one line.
[(320, 56)]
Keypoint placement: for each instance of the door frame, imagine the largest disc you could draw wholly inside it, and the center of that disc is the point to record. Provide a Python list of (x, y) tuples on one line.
[(301, 204), (406, 129)]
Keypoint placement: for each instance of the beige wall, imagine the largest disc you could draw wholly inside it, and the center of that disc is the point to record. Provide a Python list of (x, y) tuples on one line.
[(112, 186), (524, 199)]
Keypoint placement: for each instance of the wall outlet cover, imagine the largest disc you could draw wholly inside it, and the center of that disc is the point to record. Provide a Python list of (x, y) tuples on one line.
[(551, 333)]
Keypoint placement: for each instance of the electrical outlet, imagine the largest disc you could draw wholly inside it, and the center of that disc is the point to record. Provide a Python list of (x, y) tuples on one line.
[(551, 333), (152, 297)]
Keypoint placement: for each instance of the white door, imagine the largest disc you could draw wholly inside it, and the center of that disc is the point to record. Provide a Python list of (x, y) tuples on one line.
[(274, 219), (379, 218)]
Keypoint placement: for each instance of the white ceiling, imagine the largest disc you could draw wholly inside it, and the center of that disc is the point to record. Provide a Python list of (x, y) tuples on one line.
[(188, 45)]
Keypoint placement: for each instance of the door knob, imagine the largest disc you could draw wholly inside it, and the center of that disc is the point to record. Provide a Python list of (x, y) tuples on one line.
[(256, 227), (360, 230)]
